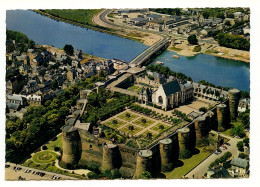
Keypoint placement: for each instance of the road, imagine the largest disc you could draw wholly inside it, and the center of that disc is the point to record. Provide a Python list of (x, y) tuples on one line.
[(11, 174), (202, 168)]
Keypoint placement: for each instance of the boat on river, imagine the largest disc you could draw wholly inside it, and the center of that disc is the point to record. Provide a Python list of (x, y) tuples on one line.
[(159, 62), (175, 56)]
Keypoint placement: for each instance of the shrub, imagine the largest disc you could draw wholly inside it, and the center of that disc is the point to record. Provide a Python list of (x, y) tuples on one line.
[(143, 120), (240, 146), (114, 121), (161, 127), (127, 115), (92, 175), (185, 154), (131, 128), (44, 147), (167, 168), (146, 175), (56, 149)]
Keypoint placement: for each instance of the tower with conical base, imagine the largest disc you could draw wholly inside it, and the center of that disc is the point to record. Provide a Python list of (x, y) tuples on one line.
[(166, 154), (222, 117), (111, 157), (184, 143), (201, 127), (70, 138), (234, 96), (143, 162)]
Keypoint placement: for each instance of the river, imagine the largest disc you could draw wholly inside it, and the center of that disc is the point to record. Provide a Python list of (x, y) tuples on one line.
[(43, 30)]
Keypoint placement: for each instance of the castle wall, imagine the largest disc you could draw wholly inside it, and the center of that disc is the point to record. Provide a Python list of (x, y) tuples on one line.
[(147, 81), (91, 148)]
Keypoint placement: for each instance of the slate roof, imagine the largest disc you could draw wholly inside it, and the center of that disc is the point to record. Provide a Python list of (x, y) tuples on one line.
[(171, 87), (239, 162)]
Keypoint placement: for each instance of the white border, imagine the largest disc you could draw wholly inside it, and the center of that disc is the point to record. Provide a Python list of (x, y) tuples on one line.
[(80, 4)]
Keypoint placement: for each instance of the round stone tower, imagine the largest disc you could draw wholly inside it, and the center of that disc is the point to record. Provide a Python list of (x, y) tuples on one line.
[(111, 157), (143, 162), (222, 117), (166, 153), (70, 147), (210, 120), (184, 142), (234, 96), (201, 127)]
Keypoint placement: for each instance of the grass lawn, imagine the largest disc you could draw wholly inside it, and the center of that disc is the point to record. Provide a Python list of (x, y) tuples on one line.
[(146, 124), (157, 127), (233, 124), (132, 132), (50, 168), (189, 164), (123, 116), (135, 88), (143, 142), (112, 125), (44, 157), (78, 15), (56, 143)]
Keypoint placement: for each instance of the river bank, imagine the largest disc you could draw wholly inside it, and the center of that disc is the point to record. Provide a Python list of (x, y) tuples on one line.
[(146, 39), (184, 49)]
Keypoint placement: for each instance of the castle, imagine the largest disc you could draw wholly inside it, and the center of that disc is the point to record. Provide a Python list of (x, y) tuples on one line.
[(82, 142)]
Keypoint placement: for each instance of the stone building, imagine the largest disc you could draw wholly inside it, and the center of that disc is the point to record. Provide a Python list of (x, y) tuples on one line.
[(172, 94)]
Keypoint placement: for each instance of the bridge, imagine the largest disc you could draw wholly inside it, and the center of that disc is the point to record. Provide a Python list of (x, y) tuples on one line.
[(141, 58), (145, 55)]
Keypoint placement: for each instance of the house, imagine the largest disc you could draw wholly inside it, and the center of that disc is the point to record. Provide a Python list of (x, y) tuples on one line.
[(15, 102), (31, 87), (34, 100), (239, 167), (138, 21), (244, 104), (218, 172), (172, 94)]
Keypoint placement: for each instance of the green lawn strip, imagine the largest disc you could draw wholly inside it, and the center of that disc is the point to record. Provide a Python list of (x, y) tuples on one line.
[(114, 126), (148, 122), (44, 157), (78, 15), (157, 127), (134, 131), (56, 143), (49, 167), (189, 164), (123, 116)]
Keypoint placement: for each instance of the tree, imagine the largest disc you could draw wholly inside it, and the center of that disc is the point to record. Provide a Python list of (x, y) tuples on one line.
[(227, 23), (203, 109), (240, 146), (69, 50), (54, 85), (246, 141), (145, 175), (192, 39)]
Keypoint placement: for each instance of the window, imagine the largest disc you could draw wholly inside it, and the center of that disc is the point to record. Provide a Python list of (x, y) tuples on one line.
[(160, 99), (90, 147)]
